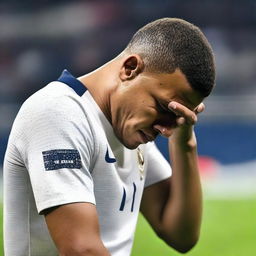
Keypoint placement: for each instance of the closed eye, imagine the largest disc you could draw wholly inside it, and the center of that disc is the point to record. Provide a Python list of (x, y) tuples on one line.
[(167, 117), (161, 108)]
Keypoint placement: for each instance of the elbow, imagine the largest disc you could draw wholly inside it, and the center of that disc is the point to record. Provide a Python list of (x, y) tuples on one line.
[(184, 247), (183, 244)]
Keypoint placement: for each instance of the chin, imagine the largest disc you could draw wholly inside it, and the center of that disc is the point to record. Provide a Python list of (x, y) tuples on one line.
[(130, 145), (126, 143)]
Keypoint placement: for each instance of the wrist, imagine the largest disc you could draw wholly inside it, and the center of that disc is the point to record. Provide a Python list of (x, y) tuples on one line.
[(184, 137)]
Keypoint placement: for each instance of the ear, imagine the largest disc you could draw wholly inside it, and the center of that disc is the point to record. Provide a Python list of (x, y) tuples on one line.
[(132, 66)]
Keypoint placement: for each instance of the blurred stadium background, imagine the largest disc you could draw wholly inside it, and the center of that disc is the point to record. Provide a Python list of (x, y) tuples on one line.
[(38, 39)]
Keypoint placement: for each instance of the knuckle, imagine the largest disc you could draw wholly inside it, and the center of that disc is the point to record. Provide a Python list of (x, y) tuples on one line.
[(194, 119)]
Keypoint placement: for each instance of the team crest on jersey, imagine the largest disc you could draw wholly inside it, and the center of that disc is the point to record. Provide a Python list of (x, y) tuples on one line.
[(61, 158)]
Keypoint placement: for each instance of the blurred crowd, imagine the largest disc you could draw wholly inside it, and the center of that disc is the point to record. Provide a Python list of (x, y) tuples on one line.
[(38, 39)]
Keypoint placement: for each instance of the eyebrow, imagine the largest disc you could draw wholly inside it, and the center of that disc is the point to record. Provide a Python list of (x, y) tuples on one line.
[(164, 103)]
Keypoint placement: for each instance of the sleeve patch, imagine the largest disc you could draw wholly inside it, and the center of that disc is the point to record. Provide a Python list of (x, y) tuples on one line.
[(61, 158)]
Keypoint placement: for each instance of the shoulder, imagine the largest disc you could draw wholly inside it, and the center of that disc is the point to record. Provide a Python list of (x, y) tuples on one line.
[(56, 108), (54, 101), (55, 97)]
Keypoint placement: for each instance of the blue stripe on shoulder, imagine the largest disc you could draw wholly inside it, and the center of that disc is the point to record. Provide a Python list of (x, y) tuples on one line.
[(72, 82)]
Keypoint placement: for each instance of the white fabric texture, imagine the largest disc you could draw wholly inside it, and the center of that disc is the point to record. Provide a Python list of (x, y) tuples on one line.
[(58, 121)]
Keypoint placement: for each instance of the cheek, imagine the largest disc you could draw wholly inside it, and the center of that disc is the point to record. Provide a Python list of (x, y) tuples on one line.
[(151, 115), (141, 120)]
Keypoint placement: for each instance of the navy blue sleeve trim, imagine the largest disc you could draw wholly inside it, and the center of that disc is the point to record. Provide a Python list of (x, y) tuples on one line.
[(72, 82)]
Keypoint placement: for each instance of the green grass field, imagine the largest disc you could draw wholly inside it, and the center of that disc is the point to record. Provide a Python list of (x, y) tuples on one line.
[(229, 229), (1, 231)]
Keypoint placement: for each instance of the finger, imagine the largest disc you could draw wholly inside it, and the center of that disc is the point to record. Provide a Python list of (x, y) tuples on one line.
[(182, 111), (164, 131), (200, 108), (180, 121)]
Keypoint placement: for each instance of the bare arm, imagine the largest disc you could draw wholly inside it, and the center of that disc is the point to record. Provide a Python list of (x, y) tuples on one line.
[(75, 230), (174, 207)]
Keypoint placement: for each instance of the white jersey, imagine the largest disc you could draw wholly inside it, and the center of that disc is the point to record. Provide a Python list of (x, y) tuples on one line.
[(62, 150)]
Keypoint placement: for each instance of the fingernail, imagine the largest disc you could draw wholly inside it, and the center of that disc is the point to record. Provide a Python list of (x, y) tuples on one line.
[(182, 120), (161, 129), (172, 105)]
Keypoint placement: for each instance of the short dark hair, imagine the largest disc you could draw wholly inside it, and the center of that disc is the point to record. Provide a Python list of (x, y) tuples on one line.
[(170, 43)]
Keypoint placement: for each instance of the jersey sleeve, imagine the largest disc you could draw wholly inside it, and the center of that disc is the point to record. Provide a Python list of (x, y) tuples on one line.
[(158, 168), (58, 150)]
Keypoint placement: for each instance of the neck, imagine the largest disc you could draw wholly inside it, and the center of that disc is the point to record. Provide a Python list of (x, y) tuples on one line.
[(101, 83)]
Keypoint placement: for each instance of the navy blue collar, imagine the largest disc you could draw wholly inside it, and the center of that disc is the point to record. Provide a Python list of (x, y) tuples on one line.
[(72, 82)]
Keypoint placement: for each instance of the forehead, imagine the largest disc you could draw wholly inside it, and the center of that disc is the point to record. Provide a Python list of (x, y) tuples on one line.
[(176, 87)]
